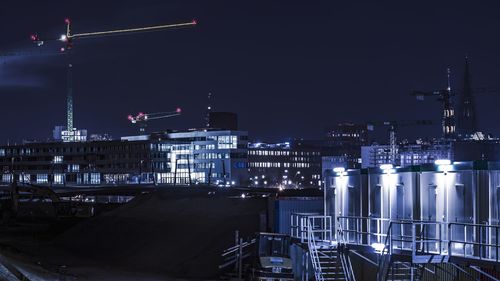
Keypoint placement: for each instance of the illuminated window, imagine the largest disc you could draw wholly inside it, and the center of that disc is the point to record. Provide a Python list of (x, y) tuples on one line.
[(58, 178), (42, 178)]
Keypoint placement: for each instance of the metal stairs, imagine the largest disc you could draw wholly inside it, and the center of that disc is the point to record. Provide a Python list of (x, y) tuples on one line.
[(404, 271), (330, 260), (332, 266)]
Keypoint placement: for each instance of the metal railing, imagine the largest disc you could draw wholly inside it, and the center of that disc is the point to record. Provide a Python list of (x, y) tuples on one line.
[(320, 227), (316, 231), (298, 225), (344, 258), (313, 250), (480, 241), (477, 241), (363, 230)]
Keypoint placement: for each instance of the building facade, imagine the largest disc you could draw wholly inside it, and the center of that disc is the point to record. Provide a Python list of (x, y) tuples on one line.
[(345, 140), (294, 164), (198, 156), (427, 153)]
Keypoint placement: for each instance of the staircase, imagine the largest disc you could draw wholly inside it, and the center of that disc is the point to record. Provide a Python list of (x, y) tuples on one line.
[(329, 259), (331, 264), (402, 271)]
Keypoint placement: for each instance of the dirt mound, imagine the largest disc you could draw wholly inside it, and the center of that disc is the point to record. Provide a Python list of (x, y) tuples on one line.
[(180, 234)]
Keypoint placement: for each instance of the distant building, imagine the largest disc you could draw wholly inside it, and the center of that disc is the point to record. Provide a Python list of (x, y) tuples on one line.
[(223, 120), (407, 154), (294, 164), (419, 154), (427, 153), (74, 135), (348, 134), (375, 155), (199, 156), (215, 156), (100, 137), (345, 140), (57, 132)]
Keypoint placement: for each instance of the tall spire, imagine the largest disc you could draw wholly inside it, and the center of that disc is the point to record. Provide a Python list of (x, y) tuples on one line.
[(448, 118), (466, 109)]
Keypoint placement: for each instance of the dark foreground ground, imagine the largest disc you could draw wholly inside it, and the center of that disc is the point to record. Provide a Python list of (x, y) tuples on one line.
[(168, 234)]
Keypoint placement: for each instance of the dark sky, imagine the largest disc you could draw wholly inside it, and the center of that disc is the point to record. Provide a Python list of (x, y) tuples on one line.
[(288, 68)]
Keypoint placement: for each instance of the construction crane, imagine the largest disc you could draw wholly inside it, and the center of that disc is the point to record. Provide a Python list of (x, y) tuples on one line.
[(141, 119), (448, 121), (393, 127), (69, 37)]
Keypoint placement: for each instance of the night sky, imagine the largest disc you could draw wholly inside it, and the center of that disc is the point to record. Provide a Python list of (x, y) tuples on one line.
[(288, 68)]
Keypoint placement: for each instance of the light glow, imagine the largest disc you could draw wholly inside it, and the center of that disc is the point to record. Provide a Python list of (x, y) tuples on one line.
[(378, 247), (442, 162), (386, 166), (339, 169)]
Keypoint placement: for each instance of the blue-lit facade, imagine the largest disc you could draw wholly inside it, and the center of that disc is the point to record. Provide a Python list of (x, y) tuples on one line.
[(209, 156), (459, 202)]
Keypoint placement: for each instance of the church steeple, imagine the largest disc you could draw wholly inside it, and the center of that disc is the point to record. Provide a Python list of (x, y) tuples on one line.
[(466, 108)]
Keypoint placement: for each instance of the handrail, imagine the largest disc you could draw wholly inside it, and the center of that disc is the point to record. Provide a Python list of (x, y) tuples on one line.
[(481, 245), (480, 241), (325, 222), (387, 249)]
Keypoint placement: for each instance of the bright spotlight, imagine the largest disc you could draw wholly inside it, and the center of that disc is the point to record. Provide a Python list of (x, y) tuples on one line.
[(378, 247), (440, 162), (339, 169), (386, 166)]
